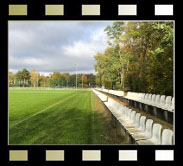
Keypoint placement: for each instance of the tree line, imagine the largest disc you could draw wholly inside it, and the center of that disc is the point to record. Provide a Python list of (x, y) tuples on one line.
[(139, 58), (24, 78)]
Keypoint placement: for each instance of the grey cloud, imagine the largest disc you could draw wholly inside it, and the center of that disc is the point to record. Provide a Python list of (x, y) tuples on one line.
[(55, 46)]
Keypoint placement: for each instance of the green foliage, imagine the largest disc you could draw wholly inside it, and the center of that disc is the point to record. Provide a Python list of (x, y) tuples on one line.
[(139, 57), (21, 78), (56, 80)]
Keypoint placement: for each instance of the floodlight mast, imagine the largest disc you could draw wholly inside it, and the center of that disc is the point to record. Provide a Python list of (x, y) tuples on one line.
[(37, 80), (82, 80), (76, 75)]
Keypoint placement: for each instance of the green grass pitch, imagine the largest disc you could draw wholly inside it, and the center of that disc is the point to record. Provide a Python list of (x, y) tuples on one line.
[(59, 117)]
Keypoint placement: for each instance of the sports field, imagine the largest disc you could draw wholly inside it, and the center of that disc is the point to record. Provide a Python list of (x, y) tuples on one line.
[(59, 117)]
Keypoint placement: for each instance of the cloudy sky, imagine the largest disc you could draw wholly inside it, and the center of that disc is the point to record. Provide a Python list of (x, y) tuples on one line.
[(55, 46)]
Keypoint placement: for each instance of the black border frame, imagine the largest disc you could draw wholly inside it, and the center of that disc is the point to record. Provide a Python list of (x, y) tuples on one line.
[(73, 153)]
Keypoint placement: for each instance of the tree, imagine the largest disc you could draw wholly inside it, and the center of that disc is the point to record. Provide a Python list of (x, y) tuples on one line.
[(91, 80), (84, 80), (66, 78), (11, 78), (25, 76), (152, 61), (56, 79), (44, 81), (19, 77), (115, 34), (107, 67), (34, 78), (139, 57)]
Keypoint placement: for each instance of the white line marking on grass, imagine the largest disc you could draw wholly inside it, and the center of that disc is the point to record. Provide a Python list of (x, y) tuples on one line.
[(42, 110)]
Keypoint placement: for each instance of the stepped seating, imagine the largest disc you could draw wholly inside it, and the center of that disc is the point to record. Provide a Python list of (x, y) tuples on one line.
[(105, 90), (169, 103), (141, 129), (163, 102), (141, 97), (117, 93), (100, 95), (113, 92)]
